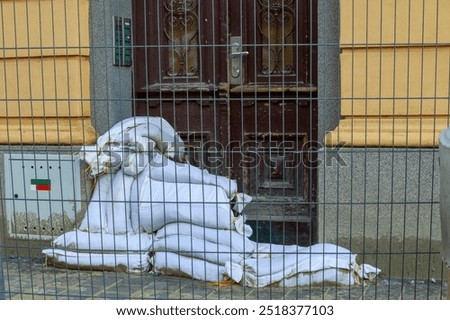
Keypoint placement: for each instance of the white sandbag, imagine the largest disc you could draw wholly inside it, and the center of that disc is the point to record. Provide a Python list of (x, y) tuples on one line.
[(95, 217), (130, 139), (151, 217), (115, 134), (241, 201), (164, 169), (241, 227), (80, 240), (156, 203), (367, 272), (265, 250), (88, 153), (250, 279), (160, 136), (155, 128), (265, 271), (118, 209), (169, 263), (137, 140), (234, 271), (306, 259), (196, 248), (136, 262), (322, 277), (229, 238), (137, 134), (102, 160)]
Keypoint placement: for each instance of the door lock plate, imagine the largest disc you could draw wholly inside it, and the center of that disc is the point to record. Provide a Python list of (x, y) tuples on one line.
[(236, 60)]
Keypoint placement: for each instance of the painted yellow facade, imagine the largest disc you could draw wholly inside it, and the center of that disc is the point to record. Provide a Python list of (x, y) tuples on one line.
[(395, 73), (44, 63)]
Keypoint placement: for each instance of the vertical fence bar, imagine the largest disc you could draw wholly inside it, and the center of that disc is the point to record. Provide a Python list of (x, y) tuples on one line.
[(448, 286), (2, 279), (444, 161), (2, 248)]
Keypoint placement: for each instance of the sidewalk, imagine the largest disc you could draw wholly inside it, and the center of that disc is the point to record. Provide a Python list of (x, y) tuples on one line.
[(30, 279)]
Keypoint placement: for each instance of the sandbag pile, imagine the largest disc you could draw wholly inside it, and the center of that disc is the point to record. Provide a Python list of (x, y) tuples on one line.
[(150, 211), (139, 189), (220, 255), (203, 253)]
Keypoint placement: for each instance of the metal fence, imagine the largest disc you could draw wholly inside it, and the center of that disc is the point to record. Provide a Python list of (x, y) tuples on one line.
[(326, 114)]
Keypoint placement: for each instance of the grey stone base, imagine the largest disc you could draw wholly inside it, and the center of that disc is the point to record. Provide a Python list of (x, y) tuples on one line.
[(383, 204)]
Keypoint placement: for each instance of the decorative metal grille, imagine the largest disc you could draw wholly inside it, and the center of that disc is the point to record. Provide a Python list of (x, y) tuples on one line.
[(181, 30), (277, 26)]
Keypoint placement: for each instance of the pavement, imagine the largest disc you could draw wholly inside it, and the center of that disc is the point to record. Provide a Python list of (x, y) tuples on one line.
[(27, 279)]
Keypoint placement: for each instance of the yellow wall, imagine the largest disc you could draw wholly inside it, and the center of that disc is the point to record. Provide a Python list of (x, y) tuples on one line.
[(44, 68), (395, 67)]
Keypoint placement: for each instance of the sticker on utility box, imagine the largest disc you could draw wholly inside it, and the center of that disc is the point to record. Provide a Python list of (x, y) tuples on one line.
[(41, 184)]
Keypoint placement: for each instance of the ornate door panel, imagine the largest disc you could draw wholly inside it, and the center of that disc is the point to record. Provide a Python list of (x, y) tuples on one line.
[(237, 79), (273, 114), (177, 65)]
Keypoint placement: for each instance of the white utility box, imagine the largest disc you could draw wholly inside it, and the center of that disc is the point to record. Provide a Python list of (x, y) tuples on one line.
[(43, 194)]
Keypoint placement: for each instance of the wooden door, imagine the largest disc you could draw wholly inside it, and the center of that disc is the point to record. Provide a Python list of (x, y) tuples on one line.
[(237, 80)]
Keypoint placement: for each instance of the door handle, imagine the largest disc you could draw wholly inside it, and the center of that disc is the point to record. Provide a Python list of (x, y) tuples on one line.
[(236, 63), (239, 54)]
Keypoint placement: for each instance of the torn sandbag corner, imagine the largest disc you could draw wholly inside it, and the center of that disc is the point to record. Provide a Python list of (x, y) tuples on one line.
[(150, 211)]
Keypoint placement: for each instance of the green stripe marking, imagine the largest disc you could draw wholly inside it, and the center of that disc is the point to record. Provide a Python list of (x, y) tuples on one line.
[(40, 182)]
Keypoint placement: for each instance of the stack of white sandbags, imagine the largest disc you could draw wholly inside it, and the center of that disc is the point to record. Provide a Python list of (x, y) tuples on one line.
[(186, 198), (149, 211), (202, 253), (219, 255), (103, 240), (140, 189)]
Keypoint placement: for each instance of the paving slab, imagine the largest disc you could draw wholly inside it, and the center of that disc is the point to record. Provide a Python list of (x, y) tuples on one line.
[(27, 279)]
